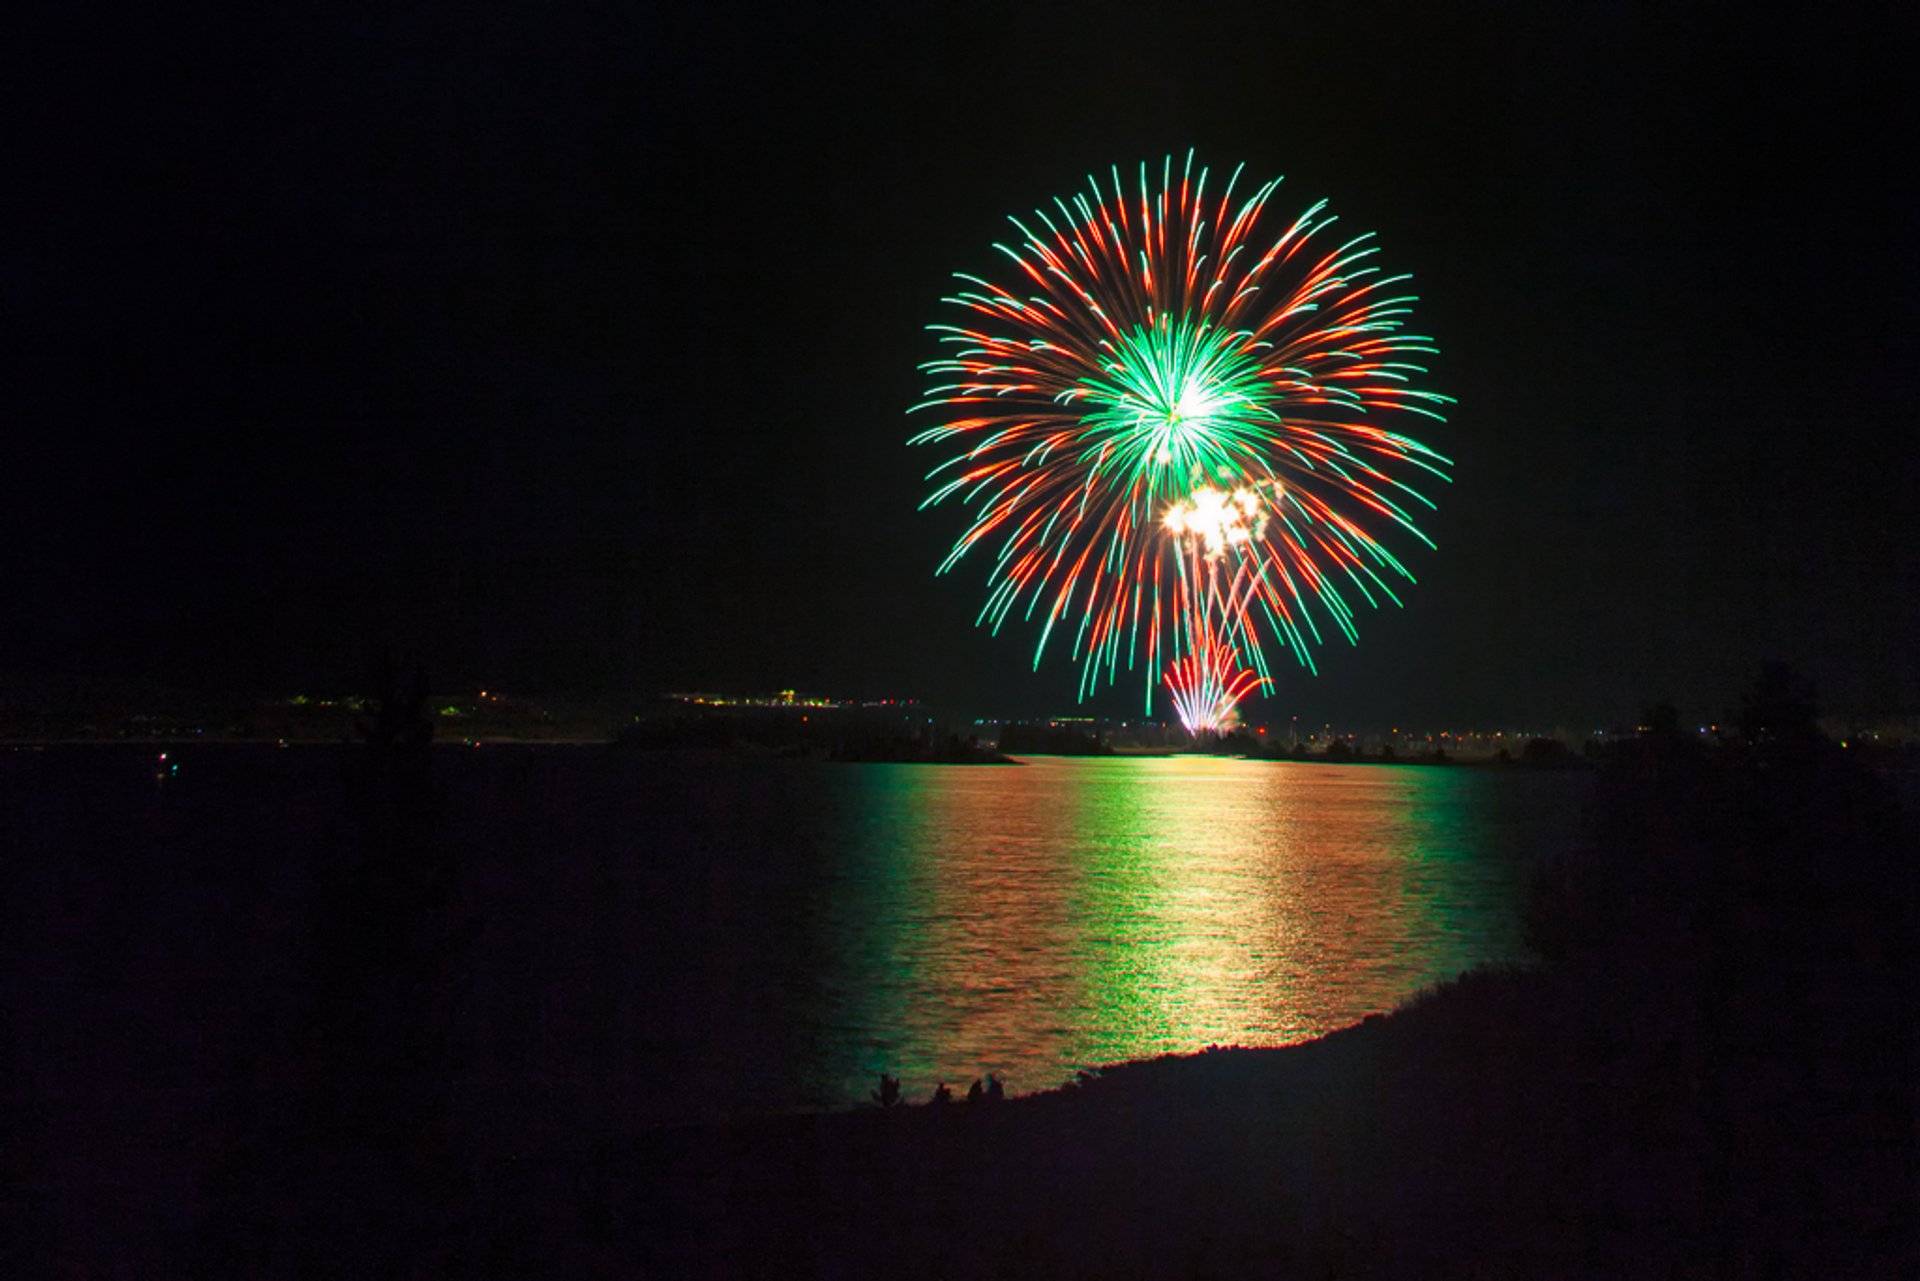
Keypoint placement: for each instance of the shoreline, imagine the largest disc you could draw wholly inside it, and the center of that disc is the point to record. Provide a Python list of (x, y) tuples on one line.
[(1499, 1124)]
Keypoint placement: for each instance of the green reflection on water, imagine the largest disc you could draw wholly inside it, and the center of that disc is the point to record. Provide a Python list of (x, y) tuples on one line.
[(1074, 912)]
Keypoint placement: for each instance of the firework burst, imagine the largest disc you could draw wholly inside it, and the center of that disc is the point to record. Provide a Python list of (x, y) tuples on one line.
[(1173, 350), (1206, 680)]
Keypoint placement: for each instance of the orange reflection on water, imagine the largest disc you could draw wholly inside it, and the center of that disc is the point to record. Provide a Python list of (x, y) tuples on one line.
[(1031, 921)]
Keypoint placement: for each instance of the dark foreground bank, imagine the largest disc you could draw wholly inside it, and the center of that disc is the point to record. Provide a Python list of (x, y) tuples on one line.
[(1491, 1130), (1513, 1124)]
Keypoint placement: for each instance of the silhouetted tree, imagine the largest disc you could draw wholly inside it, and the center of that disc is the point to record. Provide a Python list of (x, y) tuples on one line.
[(356, 1166), (1739, 941), (1779, 710), (1058, 740), (1548, 753), (400, 718), (1660, 719)]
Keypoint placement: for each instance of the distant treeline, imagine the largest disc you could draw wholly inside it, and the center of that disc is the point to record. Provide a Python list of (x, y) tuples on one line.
[(841, 734), (1039, 738), (1535, 753)]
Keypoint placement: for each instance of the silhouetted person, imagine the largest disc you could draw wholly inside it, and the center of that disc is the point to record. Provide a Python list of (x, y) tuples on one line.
[(975, 1093), (995, 1091), (941, 1095)]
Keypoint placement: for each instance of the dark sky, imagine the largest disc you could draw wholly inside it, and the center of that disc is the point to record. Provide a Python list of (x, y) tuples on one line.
[(571, 351)]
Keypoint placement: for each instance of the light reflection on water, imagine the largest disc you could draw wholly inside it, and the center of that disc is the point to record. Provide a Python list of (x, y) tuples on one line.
[(1036, 920), (666, 939)]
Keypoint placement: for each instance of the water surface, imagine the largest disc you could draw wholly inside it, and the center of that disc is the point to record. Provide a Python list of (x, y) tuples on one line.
[(939, 922), (665, 939)]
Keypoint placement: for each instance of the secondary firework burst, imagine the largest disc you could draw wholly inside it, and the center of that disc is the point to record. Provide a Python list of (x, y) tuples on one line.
[(1211, 530), (1159, 347)]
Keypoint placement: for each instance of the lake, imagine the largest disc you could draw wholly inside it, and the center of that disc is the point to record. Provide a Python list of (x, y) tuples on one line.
[(667, 939), (940, 923)]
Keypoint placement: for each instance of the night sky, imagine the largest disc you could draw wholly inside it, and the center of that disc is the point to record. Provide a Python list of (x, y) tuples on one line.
[(571, 353)]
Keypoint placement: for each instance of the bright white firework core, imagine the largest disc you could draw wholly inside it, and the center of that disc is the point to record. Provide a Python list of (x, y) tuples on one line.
[(1218, 517), (1189, 415)]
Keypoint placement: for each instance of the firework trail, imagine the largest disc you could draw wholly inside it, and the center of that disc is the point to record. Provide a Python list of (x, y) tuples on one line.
[(1209, 531), (1154, 346)]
